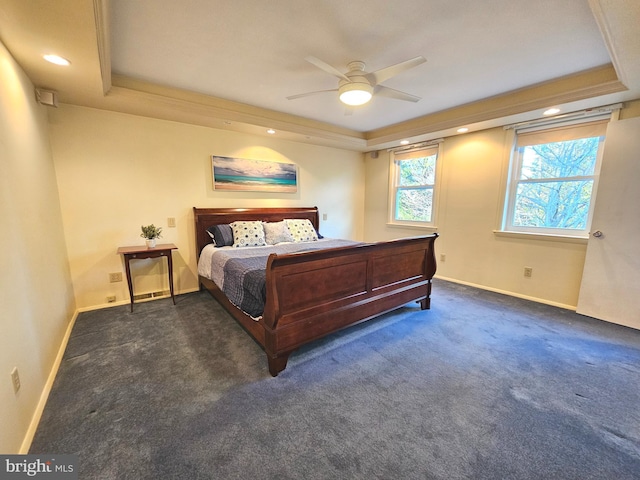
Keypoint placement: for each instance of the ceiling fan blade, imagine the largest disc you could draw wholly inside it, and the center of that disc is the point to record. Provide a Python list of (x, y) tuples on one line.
[(300, 95), (383, 91), (326, 67), (383, 74)]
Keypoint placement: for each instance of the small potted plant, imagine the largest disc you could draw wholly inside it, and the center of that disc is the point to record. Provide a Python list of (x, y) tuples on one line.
[(151, 233)]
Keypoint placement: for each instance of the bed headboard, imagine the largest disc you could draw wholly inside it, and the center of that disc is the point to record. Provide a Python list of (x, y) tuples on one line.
[(205, 217)]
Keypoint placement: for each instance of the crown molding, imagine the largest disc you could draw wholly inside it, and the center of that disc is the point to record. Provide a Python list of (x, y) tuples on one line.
[(606, 31), (129, 95), (588, 84), (141, 98), (134, 96), (101, 14)]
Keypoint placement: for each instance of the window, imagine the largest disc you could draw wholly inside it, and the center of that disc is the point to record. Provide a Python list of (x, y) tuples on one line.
[(554, 174), (413, 184)]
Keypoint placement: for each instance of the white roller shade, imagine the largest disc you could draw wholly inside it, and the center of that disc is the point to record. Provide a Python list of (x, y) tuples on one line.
[(563, 134), (422, 152)]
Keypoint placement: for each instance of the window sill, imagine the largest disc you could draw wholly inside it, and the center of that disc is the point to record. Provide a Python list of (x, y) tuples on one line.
[(424, 228), (542, 236)]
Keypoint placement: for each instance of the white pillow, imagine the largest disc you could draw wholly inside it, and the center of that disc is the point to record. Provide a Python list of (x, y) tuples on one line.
[(302, 230), (248, 234), (276, 232)]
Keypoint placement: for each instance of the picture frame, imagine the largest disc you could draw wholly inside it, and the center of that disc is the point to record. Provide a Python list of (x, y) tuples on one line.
[(243, 174)]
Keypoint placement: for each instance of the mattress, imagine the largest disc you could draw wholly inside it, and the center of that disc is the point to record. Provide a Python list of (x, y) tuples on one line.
[(240, 272)]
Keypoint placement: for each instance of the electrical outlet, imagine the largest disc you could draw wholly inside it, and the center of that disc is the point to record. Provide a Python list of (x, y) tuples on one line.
[(324, 216), (15, 379), (115, 277), (171, 222), (528, 271), (111, 299), (443, 257)]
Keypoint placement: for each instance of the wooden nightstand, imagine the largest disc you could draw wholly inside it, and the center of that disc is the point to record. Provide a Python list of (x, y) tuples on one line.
[(141, 252)]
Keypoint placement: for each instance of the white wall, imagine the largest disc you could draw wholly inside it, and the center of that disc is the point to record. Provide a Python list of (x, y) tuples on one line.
[(35, 285), (116, 172), (471, 193)]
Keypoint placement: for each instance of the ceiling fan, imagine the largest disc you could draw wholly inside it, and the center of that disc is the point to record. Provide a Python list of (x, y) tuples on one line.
[(356, 87)]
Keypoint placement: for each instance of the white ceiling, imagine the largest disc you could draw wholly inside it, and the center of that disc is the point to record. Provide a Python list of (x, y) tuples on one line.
[(487, 61), (252, 51)]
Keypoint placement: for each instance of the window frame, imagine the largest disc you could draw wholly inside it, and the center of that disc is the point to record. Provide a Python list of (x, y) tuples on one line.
[(514, 180), (394, 177)]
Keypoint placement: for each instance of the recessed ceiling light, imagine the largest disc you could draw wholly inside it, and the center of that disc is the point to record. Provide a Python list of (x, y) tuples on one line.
[(463, 130), (551, 111), (271, 131), (58, 60), (404, 142)]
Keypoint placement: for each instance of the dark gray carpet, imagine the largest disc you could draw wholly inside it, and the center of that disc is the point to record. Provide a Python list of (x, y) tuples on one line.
[(482, 386)]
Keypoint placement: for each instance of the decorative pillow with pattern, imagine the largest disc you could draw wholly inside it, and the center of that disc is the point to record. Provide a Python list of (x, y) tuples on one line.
[(276, 232), (248, 234), (222, 235), (302, 230)]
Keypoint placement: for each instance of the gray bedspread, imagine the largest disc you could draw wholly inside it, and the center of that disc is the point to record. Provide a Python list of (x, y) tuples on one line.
[(244, 283), (240, 272)]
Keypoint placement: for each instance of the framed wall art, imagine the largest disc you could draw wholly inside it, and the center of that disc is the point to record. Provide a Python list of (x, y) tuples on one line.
[(241, 174)]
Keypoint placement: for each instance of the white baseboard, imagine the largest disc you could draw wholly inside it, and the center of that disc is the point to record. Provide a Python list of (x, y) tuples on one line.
[(505, 292), (127, 302), (44, 396)]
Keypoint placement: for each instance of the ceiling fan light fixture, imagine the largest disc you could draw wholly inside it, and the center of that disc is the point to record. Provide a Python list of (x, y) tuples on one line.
[(355, 93)]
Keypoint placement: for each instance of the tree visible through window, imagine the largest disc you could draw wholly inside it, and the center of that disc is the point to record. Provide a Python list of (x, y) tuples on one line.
[(554, 178), (413, 188)]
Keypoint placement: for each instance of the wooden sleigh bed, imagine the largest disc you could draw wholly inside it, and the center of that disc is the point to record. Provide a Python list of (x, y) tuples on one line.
[(315, 293)]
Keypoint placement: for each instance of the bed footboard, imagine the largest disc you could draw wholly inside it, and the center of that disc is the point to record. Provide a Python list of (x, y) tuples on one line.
[(313, 294)]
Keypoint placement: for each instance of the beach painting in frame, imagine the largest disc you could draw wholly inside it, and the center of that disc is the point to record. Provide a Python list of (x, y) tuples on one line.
[(241, 174)]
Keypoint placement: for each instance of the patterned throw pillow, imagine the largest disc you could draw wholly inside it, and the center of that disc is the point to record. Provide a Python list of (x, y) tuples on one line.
[(276, 232), (248, 234), (302, 230), (222, 235)]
